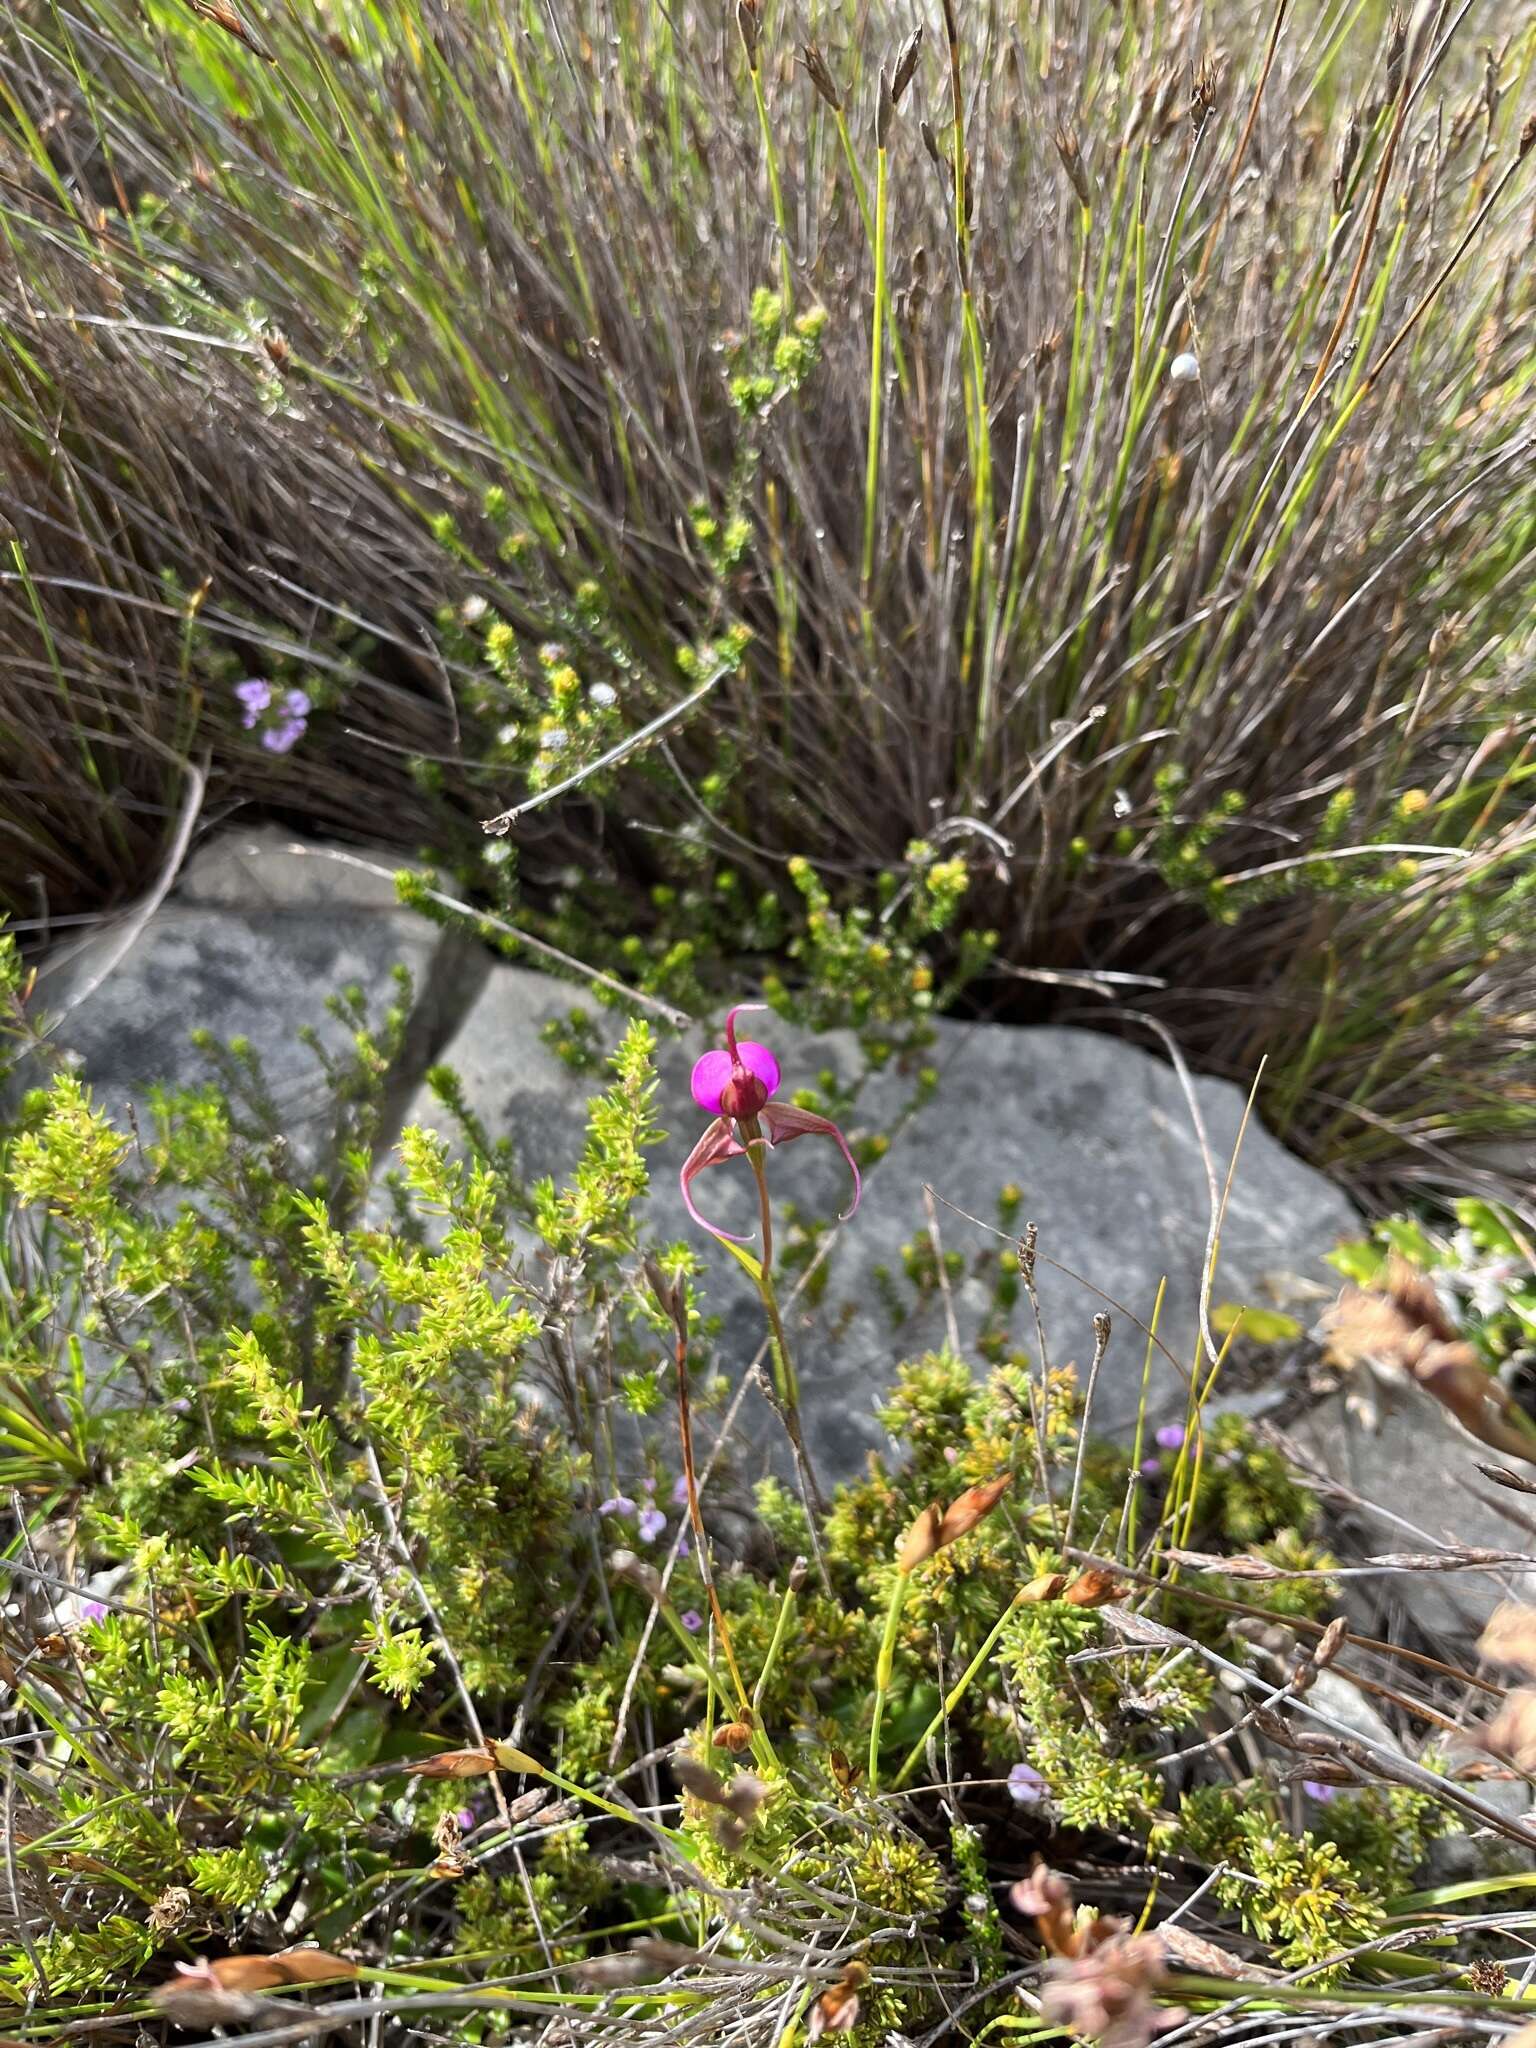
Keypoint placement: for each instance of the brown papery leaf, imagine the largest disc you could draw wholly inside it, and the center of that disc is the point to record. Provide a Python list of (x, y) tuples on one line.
[(1048, 1586), (1481, 1404), (454, 1763), (224, 16), (962, 1515), (1093, 1588), (921, 1540), (1511, 1733), (1510, 1637)]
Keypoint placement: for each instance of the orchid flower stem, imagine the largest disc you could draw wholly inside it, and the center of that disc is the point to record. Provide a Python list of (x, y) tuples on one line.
[(786, 1384), (695, 1514), (883, 1663)]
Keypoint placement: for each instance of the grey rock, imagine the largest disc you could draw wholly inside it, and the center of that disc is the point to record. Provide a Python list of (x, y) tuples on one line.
[(1333, 1695), (257, 932), (1413, 1485), (1097, 1134)]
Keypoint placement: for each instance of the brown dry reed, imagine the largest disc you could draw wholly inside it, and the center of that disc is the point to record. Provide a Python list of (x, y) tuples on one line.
[(1222, 680)]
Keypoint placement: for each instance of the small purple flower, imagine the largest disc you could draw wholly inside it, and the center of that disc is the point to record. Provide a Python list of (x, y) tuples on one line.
[(736, 1085), (680, 1491), (290, 714), (1316, 1789), (616, 1504), (465, 1818), (1170, 1437), (255, 694), (652, 1522), (1026, 1785), (1150, 1467), (278, 739), (685, 1545), (91, 1612), (692, 1620)]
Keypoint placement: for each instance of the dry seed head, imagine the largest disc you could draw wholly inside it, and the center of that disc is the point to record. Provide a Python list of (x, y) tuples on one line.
[(1527, 138), (1317, 1772), (750, 28), (963, 1514), (1202, 92), (729, 1832), (1331, 1642), (1397, 50), (820, 77), (931, 144), (746, 1794), (1093, 1588), (906, 65), (885, 110), (799, 1572), (921, 1540), (1344, 162), (736, 1736), (699, 1780), (1070, 152), (454, 1763), (1048, 1586), (636, 1572)]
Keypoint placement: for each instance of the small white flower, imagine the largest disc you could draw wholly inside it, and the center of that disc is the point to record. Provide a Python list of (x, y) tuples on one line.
[(1184, 369), (498, 853), (473, 610), (553, 740), (1487, 1292), (506, 735), (603, 694)]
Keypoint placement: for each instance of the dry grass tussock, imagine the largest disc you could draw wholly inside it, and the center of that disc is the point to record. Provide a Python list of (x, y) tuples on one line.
[(1150, 520)]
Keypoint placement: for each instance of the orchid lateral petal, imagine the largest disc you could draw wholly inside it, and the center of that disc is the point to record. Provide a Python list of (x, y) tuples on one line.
[(718, 1143), (784, 1123)]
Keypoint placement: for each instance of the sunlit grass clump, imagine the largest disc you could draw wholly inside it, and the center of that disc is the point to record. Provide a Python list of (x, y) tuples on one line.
[(1097, 454)]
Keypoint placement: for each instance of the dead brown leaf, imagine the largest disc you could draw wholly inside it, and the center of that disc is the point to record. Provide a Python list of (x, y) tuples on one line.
[(454, 1763), (1509, 1637), (1511, 1733)]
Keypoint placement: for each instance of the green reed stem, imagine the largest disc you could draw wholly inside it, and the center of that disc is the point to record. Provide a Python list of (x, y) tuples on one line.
[(956, 1693), (883, 1664), (876, 384), (770, 159)]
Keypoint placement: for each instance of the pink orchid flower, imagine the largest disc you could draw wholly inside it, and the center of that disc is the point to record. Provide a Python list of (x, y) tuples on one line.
[(737, 1084)]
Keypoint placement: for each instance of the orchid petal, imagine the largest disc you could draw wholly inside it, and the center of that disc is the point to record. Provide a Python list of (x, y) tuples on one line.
[(710, 1073), (783, 1124), (718, 1143)]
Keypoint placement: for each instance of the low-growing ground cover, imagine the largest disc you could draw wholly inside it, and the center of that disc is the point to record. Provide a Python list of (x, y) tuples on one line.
[(396, 1634)]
